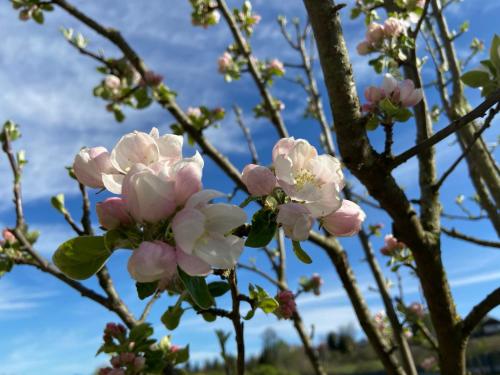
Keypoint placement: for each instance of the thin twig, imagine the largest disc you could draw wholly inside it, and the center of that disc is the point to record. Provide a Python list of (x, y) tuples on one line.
[(237, 323), (478, 241), (477, 112), (246, 133), (149, 306)]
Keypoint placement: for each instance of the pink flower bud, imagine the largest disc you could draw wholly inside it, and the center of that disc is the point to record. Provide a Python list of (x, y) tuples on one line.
[(316, 282), (394, 27), (90, 164), (117, 371), (287, 305), (127, 358), (408, 95), (255, 18), (373, 94), (225, 62), (346, 221), (391, 245), (375, 33), (276, 67), (259, 180), (368, 107), (112, 213), (389, 85), (194, 112), (417, 309), (8, 237), (115, 361), (174, 348), (151, 79), (112, 82), (152, 261), (139, 363), (364, 48), (296, 220)]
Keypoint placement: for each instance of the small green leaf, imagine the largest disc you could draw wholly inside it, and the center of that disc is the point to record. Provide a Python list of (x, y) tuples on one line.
[(218, 288), (81, 257), (172, 316), (209, 317), (372, 123), (182, 355), (263, 228), (117, 239), (140, 332), (403, 115), (495, 52), (37, 15), (144, 290), (142, 97), (300, 253), (388, 107), (197, 288), (476, 78)]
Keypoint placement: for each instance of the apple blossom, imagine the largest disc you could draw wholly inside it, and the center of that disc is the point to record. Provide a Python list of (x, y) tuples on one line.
[(346, 221), (256, 18), (156, 260), (259, 180), (375, 33), (90, 164), (8, 237), (276, 67), (408, 94), (287, 305), (112, 82), (389, 85), (148, 196), (225, 62), (364, 48), (373, 94), (112, 213), (296, 221), (203, 230), (394, 27), (313, 180)]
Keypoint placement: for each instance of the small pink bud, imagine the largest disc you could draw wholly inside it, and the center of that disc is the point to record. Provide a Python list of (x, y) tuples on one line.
[(287, 305), (391, 245), (259, 180), (151, 79), (194, 112), (276, 67), (417, 309), (255, 18), (364, 48), (152, 261), (127, 358), (8, 236), (296, 221), (115, 361), (225, 62), (373, 94), (112, 213), (346, 221), (375, 33), (174, 348)]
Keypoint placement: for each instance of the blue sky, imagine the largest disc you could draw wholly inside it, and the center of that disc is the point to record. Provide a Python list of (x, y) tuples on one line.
[(46, 87)]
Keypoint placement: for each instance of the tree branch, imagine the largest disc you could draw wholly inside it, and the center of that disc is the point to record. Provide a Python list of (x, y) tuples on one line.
[(477, 112), (479, 311), (246, 133), (478, 241)]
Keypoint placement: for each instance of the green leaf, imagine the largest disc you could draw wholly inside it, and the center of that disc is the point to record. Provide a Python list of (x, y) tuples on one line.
[(355, 12), (172, 316), (495, 52), (81, 257), (489, 65), (197, 288), (372, 123), (5, 265), (403, 115), (388, 107), (117, 239), (142, 97), (300, 253), (144, 290), (182, 355), (209, 317), (140, 332), (37, 15), (218, 288), (263, 228), (476, 78)]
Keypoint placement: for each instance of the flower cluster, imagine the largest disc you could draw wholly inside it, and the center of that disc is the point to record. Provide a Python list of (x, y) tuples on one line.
[(246, 19), (312, 184), (378, 34), (161, 200), (391, 245), (312, 284), (204, 13), (401, 94), (287, 305)]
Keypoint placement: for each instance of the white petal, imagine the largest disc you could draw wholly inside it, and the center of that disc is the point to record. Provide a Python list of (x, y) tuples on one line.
[(170, 146), (192, 265), (113, 182), (188, 226), (219, 251), (132, 148), (201, 198), (222, 217), (283, 169), (301, 153)]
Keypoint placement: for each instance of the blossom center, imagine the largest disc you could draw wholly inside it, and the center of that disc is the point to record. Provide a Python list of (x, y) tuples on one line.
[(305, 177)]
